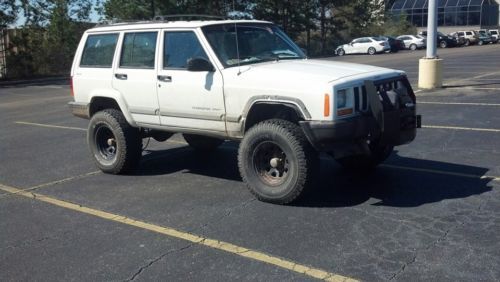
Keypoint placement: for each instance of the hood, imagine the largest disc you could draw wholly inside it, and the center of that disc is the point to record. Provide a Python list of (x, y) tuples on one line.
[(314, 70)]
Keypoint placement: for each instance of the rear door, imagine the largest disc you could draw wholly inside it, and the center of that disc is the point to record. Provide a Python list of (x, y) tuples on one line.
[(135, 75)]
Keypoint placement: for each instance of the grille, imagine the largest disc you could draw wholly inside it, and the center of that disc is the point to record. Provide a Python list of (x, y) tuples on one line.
[(361, 96)]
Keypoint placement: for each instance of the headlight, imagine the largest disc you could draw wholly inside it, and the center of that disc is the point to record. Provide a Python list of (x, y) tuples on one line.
[(341, 98), (344, 101)]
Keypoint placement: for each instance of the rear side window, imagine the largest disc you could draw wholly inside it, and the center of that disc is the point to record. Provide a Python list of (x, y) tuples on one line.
[(179, 48), (138, 50), (99, 51), (468, 33)]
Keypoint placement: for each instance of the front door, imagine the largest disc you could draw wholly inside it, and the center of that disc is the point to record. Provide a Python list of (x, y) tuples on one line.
[(188, 100), (135, 75)]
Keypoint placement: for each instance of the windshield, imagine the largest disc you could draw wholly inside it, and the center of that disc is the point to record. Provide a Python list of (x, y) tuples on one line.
[(256, 43)]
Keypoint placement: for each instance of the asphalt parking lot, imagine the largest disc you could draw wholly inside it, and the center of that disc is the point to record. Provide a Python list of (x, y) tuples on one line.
[(431, 212)]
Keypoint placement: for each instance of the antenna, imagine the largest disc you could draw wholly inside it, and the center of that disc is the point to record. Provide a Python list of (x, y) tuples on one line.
[(236, 38)]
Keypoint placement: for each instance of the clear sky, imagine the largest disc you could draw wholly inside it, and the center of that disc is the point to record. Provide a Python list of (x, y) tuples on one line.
[(94, 17)]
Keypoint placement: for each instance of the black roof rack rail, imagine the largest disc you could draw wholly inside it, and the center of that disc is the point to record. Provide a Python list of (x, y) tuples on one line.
[(179, 17), (188, 17)]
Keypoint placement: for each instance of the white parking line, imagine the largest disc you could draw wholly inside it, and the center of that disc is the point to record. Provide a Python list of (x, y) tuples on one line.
[(461, 128), (460, 104), (50, 125), (466, 175)]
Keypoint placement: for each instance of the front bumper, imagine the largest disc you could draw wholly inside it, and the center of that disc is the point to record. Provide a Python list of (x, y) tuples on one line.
[(80, 109), (399, 128)]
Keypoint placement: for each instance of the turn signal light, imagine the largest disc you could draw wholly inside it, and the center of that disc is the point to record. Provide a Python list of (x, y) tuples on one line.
[(327, 106), (344, 112)]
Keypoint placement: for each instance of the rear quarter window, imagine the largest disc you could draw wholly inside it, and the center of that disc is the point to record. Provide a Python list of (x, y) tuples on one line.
[(99, 50)]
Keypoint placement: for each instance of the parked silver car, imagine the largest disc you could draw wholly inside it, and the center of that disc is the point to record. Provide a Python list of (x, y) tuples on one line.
[(412, 42), (364, 45)]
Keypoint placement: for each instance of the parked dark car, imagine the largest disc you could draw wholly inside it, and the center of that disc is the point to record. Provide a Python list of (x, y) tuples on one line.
[(443, 40), (484, 37), (394, 43), (460, 40)]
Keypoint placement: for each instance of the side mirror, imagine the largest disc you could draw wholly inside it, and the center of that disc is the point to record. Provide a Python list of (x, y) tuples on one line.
[(199, 64)]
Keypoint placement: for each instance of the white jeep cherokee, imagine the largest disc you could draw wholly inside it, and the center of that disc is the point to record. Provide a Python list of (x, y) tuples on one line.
[(236, 80)]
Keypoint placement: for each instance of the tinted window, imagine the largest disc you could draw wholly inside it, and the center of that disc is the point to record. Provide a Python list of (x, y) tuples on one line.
[(138, 50), (179, 48), (99, 51)]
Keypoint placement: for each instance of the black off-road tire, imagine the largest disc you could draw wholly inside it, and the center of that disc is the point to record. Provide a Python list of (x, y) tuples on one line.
[(115, 145), (202, 143), (297, 161), (372, 51), (378, 154)]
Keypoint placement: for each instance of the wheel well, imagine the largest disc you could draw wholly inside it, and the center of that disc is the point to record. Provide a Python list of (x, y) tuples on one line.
[(100, 103), (265, 111)]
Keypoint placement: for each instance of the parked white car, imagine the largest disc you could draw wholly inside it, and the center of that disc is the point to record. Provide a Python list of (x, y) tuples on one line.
[(412, 42), (236, 80), (494, 34), (364, 45)]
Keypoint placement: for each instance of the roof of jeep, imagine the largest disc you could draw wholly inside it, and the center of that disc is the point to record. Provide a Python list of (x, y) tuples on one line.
[(166, 24)]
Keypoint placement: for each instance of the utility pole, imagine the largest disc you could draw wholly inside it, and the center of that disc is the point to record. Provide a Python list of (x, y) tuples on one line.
[(430, 68)]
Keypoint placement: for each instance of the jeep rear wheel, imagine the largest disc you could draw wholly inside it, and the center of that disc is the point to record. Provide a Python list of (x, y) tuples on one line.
[(276, 161), (378, 154), (115, 145), (202, 143)]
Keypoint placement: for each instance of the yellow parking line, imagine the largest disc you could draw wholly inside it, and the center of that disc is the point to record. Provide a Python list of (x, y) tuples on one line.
[(461, 128), (50, 126), (195, 239), (434, 171), (460, 104)]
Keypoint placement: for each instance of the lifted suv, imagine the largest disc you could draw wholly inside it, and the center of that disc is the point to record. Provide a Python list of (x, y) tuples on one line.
[(236, 80)]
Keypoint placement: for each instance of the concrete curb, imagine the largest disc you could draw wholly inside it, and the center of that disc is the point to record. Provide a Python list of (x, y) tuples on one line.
[(34, 81)]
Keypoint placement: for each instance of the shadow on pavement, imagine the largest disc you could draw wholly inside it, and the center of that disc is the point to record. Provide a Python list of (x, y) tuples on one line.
[(337, 187), (41, 82)]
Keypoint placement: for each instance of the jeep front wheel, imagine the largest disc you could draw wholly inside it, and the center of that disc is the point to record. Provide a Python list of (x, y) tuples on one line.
[(202, 143), (276, 161), (115, 145)]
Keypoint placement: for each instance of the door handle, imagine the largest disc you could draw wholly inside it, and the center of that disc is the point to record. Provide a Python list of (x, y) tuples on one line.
[(165, 78), (121, 76)]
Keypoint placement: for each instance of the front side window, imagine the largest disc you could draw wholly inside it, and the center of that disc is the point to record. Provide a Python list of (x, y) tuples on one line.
[(247, 43), (138, 50), (99, 50), (179, 47)]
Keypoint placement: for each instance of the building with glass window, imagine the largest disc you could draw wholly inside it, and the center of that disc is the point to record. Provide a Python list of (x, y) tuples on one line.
[(451, 13)]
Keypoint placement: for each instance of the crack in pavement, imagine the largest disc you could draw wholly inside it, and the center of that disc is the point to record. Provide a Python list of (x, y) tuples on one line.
[(433, 244), (157, 259), (27, 243)]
